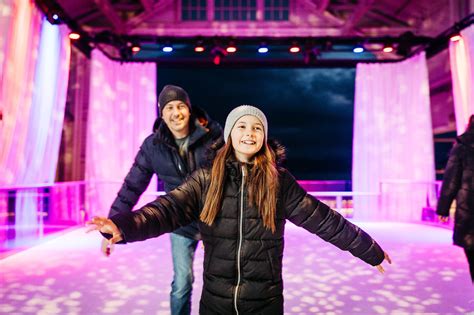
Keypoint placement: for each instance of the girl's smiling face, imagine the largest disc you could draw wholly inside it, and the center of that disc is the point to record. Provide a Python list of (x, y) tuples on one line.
[(247, 137)]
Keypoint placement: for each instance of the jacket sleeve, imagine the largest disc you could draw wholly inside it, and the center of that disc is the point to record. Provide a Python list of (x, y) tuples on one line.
[(311, 214), (451, 181), (178, 208), (135, 183)]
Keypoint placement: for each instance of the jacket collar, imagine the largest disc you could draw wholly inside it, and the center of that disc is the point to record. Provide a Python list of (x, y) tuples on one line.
[(234, 167), (467, 138)]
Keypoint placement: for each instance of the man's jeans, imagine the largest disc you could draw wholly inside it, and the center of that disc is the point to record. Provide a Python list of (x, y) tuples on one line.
[(182, 249)]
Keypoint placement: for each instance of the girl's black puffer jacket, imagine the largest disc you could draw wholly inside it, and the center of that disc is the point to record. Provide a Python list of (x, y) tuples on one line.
[(243, 259)]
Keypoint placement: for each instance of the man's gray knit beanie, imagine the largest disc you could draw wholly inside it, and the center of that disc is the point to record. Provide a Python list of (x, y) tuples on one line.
[(240, 111), (173, 93)]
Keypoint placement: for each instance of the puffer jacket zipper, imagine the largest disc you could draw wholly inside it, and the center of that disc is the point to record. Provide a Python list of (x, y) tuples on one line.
[(239, 248), (178, 161)]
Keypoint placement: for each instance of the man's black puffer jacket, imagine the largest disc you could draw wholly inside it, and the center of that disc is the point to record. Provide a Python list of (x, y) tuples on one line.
[(243, 259), (458, 183), (159, 155)]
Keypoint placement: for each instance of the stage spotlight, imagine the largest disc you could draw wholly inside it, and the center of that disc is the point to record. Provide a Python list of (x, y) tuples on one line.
[(167, 48), (231, 48), (54, 18), (295, 48), (454, 38), (358, 49), (387, 48), (218, 53), (74, 35), (199, 48), (217, 60), (135, 48), (263, 48)]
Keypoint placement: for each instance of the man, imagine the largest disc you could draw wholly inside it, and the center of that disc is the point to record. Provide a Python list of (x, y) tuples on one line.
[(184, 139), (458, 184)]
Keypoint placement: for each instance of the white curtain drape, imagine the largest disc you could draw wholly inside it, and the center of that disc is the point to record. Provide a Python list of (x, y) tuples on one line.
[(5, 27), (393, 141), (35, 66), (46, 118), (461, 55), (20, 53), (122, 109)]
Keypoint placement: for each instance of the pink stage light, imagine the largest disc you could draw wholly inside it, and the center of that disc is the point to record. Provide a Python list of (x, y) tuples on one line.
[(455, 38), (74, 35)]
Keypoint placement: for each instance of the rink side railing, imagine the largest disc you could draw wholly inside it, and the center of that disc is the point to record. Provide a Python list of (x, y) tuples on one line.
[(61, 203), (67, 202)]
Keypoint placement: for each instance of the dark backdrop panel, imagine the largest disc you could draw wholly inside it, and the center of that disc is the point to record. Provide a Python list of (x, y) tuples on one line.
[(309, 110)]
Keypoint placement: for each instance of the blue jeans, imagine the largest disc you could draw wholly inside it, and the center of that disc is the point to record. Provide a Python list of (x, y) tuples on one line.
[(182, 249)]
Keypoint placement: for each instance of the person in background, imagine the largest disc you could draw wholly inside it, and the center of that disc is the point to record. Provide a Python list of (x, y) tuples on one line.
[(458, 183), (242, 204), (184, 139)]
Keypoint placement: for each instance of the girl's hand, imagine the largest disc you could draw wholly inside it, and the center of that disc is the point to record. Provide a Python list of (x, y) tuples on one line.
[(388, 259), (106, 226)]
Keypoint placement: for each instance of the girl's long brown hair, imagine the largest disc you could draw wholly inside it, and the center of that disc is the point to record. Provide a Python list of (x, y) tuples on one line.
[(262, 183)]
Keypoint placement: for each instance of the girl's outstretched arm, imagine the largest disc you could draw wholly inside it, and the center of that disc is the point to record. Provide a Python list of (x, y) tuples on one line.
[(313, 215), (178, 208)]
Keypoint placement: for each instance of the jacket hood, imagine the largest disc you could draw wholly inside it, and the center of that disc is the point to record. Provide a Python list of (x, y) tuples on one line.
[(279, 149), (467, 138)]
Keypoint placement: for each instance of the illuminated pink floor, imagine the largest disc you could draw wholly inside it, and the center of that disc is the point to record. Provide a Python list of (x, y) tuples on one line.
[(14, 239), (68, 275)]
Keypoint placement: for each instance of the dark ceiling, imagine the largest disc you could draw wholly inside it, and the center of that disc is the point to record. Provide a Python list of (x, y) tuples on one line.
[(327, 36)]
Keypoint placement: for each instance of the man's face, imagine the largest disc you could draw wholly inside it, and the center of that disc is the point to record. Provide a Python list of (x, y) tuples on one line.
[(176, 116)]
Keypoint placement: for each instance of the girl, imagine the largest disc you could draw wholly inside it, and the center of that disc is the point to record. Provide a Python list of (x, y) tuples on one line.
[(242, 204)]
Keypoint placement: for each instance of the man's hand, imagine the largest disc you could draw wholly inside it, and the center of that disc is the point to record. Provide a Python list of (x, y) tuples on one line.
[(106, 248), (106, 226), (443, 219)]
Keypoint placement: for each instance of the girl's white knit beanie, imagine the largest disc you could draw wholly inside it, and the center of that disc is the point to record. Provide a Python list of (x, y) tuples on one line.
[(240, 111)]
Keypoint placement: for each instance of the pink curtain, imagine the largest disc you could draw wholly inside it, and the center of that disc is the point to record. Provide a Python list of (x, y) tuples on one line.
[(16, 90), (122, 109), (461, 55), (5, 21), (393, 141), (32, 97), (46, 117)]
